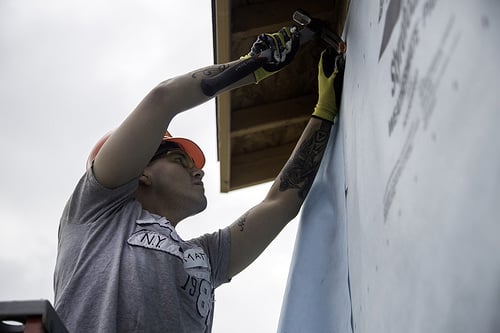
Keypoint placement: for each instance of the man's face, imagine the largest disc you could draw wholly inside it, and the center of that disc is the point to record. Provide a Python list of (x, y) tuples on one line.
[(178, 181)]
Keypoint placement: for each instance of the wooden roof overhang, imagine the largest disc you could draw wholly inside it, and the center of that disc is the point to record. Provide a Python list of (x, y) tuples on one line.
[(258, 125)]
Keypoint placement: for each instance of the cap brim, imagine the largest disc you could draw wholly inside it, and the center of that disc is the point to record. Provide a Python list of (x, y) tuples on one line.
[(191, 148)]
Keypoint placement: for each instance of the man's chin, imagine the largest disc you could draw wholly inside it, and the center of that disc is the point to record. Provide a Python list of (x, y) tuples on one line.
[(202, 205)]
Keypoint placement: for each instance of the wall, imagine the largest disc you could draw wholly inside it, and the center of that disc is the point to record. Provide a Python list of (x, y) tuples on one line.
[(406, 205)]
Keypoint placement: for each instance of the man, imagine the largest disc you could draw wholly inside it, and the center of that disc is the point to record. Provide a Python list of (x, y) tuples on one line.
[(121, 266)]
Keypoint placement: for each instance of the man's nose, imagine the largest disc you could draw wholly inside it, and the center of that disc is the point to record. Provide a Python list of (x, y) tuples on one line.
[(199, 173)]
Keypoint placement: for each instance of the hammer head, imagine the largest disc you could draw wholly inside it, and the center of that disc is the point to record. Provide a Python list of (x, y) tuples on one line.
[(316, 28)]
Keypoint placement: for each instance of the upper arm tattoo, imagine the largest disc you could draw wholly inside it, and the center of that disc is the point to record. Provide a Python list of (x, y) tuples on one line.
[(300, 171), (241, 221)]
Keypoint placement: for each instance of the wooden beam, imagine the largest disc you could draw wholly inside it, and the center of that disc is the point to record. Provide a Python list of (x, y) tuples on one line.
[(278, 112), (258, 167), (223, 28), (270, 126), (269, 138), (252, 32), (224, 139), (269, 13)]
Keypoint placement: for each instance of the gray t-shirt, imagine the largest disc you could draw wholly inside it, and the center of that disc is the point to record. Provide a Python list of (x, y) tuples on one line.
[(122, 269)]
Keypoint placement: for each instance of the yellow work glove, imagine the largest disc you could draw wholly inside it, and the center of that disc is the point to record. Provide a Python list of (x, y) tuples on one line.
[(330, 80), (282, 46)]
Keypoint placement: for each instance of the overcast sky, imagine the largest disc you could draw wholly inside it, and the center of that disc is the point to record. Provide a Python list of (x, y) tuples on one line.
[(70, 70)]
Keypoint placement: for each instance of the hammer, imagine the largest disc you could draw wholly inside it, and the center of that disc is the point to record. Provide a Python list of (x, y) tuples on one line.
[(310, 28)]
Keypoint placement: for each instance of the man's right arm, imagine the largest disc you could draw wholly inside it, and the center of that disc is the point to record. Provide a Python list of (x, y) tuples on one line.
[(129, 149)]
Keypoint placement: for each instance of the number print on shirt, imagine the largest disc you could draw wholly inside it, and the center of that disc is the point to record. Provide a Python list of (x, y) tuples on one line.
[(201, 289), (203, 303)]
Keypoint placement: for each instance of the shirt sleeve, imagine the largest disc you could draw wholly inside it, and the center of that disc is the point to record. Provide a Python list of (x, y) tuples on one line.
[(91, 202), (217, 245)]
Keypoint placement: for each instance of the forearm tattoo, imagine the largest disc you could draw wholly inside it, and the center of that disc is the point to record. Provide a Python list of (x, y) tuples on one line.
[(210, 71), (241, 221), (300, 171)]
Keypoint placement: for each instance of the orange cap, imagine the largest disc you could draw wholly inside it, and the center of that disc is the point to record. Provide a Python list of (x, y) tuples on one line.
[(191, 148)]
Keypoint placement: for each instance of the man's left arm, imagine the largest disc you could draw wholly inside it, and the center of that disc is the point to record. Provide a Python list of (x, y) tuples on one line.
[(255, 229)]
